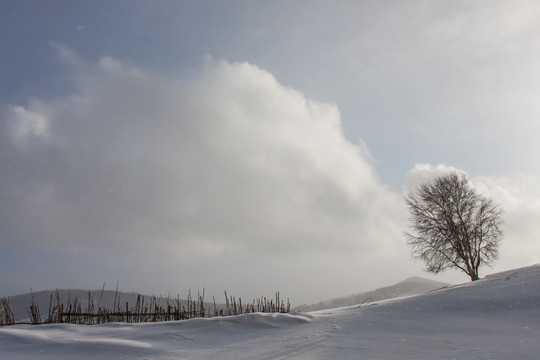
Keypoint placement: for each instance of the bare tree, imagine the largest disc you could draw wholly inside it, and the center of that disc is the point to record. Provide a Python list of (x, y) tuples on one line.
[(455, 227)]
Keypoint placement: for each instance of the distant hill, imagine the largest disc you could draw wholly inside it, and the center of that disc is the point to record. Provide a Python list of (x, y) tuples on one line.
[(410, 286), (19, 303)]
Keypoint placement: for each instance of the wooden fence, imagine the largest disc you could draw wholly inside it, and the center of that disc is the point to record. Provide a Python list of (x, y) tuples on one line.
[(6, 314), (142, 311)]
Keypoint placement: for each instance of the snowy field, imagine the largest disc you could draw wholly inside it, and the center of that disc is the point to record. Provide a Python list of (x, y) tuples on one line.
[(494, 318)]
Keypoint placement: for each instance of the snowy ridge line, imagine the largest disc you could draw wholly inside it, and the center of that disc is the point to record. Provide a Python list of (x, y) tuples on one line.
[(492, 318), (407, 287)]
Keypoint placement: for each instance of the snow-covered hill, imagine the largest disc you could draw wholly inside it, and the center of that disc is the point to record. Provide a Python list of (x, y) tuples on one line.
[(410, 286), (494, 318)]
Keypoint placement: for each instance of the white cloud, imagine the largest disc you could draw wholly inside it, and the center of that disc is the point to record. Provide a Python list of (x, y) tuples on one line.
[(226, 169), (228, 159), (422, 173), (519, 196), (25, 124)]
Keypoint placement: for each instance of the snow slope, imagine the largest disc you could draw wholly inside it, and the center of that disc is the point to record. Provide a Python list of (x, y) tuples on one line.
[(410, 286), (494, 318)]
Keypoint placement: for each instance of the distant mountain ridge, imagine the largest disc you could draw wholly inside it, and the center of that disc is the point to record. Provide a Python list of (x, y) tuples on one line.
[(410, 286)]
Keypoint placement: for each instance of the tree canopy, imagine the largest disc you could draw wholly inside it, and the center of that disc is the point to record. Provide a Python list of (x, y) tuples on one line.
[(453, 225)]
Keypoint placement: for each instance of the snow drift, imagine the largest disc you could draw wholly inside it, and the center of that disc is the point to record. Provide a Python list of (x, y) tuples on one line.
[(495, 318)]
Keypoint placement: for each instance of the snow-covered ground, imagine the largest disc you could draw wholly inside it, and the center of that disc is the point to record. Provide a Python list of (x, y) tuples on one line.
[(494, 318)]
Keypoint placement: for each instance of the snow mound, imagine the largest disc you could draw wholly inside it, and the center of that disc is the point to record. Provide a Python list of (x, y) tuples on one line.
[(493, 318)]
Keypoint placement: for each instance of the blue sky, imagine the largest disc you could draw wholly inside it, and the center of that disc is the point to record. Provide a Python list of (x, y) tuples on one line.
[(255, 145)]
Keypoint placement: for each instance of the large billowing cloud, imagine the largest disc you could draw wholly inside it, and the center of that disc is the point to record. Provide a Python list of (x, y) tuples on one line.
[(223, 159), (214, 173)]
